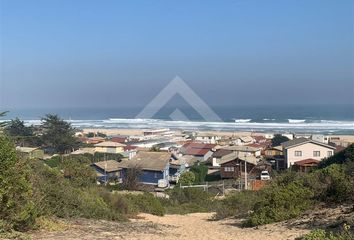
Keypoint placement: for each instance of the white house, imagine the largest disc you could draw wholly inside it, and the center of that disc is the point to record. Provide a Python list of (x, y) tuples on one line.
[(301, 149), (244, 140)]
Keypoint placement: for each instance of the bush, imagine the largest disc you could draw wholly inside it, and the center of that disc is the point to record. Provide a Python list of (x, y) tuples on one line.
[(188, 200), (187, 178), (238, 204), (279, 203), (16, 209), (200, 171), (320, 234), (146, 203)]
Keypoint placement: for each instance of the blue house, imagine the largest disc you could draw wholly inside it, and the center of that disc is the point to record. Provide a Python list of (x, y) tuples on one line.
[(107, 171), (154, 167)]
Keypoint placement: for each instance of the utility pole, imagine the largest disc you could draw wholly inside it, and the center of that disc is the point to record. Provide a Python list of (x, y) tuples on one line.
[(245, 175)]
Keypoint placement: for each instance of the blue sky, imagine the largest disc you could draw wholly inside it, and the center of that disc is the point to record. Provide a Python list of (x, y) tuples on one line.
[(122, 53)]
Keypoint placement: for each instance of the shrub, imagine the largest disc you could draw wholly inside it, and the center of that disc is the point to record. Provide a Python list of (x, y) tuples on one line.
[(16, 208), (188, 200), (146, 203), (238, 204), (321, 234), (200, 171), (280, 203), (187, 178)]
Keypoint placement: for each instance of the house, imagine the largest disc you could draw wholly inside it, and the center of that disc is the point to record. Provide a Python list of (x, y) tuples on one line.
[(319, 138), (154, 167), (305, 148), (179, 165), (245, 150), (221, 155), (109, 147), (244, 140), (202, 151), (273, 152), (82, 151), (305, 165), (275, 156), (120, 139), (233, 168), (207, 138), (30, 152), (151, 132), (94, 140), (149, 143), (107, 171)]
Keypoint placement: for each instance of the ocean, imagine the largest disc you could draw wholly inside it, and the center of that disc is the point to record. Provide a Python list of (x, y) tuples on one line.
[(325, 119)]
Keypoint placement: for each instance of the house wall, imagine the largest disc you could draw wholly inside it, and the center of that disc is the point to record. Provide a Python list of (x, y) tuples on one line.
[(151, 177), (115, 175), (272, 152), (307, 150), (109, 149), (238, 166)]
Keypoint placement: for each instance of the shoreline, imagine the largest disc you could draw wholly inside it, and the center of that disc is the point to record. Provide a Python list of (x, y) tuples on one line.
[(138, 131)]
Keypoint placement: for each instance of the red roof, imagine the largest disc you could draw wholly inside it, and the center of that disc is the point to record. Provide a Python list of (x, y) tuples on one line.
[(196, 151), (259, 138), (118, 139), (129, 147), (307, 162)]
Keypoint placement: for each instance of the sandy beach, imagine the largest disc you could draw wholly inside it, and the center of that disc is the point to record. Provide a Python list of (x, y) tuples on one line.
[(136, 132)]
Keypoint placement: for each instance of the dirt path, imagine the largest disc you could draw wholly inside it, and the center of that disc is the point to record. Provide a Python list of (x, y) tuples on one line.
[(191, 226)]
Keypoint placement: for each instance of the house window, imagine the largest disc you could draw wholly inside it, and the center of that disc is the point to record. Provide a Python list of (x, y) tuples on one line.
[(316, 153), (229, 169), (298, 153), (329, 153), (156, 175)]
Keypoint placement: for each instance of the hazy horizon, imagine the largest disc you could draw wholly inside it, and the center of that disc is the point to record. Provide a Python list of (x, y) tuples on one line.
[(60, 54)]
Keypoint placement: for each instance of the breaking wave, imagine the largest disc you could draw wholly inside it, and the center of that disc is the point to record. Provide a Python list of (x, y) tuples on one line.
[(296, 125)]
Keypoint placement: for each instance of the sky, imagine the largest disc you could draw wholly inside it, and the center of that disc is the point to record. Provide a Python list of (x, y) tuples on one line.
[(87, 53)]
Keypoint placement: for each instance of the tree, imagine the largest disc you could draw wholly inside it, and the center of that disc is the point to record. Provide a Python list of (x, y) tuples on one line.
[(17, 128), (2, 124), (187, 178), (279, 139), (200, 171), (20, 133), (58, 134), (16, 208), (131, 180), (78, 170)]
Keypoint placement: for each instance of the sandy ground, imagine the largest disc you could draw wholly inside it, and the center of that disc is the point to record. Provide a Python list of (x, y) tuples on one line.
[(198, 226), (191, 226), (136, 132)]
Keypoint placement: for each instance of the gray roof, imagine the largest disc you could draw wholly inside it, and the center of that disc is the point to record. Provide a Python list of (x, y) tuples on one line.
[(299, 141), (108, 166), (246, 158), (242, 148), (148, 161), (109, 144)]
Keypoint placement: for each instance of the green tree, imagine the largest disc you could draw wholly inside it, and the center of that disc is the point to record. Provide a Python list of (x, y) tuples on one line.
[(279, 139), (16, 208), (17, 128), (2, 124), (58, 134), (78, 170), (200, 171), (187, 178)]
